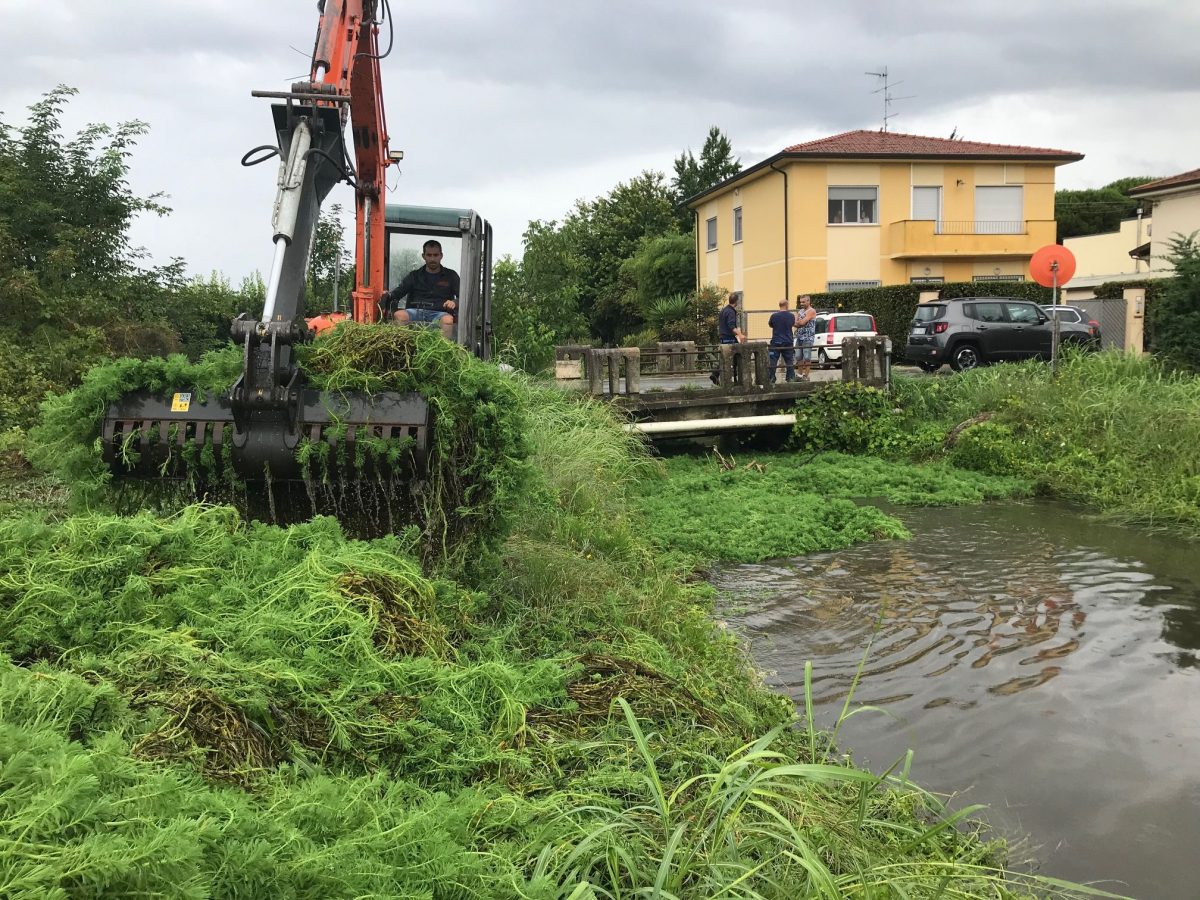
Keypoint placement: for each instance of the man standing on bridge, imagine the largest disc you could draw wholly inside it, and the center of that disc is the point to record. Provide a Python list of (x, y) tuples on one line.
[(782, 323), (728, 332)]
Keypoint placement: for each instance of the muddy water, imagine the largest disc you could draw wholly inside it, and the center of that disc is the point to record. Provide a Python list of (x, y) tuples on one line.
[(1035, 660)]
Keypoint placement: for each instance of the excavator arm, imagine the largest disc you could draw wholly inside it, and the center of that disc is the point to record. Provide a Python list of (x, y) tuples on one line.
[(346, 58), (257, 427)]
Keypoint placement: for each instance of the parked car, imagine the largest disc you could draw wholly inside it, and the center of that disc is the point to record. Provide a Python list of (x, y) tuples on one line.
[(972, 331), (834, 327), (1074, 314)]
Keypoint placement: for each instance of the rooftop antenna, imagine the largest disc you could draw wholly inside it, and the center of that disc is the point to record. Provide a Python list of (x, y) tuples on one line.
[(886, 90)]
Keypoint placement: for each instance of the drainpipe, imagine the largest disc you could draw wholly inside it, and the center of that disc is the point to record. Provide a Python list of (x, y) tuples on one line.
[(787, 288), (696, 232), (1137, 262)]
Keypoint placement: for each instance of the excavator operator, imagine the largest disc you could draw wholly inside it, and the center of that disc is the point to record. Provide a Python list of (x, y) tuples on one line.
[(432, 293)]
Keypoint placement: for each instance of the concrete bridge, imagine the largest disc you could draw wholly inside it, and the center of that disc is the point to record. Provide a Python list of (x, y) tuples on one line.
[(668, 393)]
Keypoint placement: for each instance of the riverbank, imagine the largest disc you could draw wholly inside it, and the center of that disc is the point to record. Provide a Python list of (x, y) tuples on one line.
[(1116, 432), (198, 707)]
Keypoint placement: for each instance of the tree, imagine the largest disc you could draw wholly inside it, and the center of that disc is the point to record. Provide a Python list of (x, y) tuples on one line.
[(663, 266), (692, 176), (573, 268), (328, 262), (523, 336), (70, 284), (65, 212), (1177, 310), (1096, 210)]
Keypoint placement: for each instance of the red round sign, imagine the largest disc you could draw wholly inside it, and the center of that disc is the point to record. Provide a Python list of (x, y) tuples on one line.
[(1042, 266)]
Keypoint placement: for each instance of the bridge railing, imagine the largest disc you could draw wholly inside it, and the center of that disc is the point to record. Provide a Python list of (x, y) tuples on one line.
[(740, 368)]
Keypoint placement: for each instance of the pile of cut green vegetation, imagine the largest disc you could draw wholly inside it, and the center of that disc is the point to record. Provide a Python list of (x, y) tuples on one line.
[(477, 457), (195, 706)]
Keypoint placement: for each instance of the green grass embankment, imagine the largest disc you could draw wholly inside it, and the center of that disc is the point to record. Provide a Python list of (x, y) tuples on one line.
[(1118, 433), (192, 706)]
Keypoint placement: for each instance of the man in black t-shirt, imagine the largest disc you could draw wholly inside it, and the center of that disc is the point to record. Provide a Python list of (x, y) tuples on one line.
[(782, 323), (728, 331), (432, 293)]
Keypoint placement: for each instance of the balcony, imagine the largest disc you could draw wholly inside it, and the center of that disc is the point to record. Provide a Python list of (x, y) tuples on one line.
[(942, 239)]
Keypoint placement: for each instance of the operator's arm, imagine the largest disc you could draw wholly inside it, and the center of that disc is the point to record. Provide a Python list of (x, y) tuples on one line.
[(403, 289), (452, 304)]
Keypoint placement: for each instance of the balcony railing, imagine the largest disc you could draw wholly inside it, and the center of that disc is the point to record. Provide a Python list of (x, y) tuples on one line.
[(939, 238), (979, 226)]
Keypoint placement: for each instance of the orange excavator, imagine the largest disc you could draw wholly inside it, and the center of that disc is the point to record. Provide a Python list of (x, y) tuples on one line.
[(256, 427)]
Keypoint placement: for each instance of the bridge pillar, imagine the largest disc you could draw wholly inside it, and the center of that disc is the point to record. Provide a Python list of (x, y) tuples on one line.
[(676, 356), (867, 359), (744, 367), (602, 362), (568, 361)]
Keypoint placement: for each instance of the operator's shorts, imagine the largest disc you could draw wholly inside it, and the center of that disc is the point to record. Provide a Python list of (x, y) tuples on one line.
[(805, 353), (418, 316)]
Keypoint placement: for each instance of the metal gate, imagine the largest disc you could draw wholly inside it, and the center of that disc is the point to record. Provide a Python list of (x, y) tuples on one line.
[(1110, 313)]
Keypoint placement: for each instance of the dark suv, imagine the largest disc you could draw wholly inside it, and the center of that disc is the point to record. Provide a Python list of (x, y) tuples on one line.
[(971, 331)]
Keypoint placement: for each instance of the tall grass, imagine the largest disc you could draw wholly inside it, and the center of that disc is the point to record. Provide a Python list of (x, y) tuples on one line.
[(1113, 430), (198, 707)]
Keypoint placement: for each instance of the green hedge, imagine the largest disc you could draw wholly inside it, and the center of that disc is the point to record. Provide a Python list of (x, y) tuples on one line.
[(893, 306)]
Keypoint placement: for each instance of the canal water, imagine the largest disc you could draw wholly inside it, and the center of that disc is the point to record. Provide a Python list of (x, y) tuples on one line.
[(1034, 659)]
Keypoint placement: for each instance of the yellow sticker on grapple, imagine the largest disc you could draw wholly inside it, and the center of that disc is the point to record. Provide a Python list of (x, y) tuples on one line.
[(181, 403)]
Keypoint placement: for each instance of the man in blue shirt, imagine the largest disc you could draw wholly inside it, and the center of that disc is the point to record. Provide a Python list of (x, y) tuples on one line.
[(728, 331), (782, 323)]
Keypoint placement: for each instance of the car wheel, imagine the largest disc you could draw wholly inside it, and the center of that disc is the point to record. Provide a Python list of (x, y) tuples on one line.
[(929, 367), (964, 357), (822, 359)]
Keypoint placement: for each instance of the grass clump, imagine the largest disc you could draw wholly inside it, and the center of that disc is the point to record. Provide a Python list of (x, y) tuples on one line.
[(786, 504), (1114, 431)]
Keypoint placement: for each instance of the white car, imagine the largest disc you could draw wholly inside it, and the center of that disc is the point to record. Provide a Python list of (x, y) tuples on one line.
[(835, 327)]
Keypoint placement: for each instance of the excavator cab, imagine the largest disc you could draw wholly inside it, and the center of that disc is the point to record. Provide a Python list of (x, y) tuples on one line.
[(466, 239)]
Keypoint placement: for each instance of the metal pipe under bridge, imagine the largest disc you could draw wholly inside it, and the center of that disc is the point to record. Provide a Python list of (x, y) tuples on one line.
[(668, 393)]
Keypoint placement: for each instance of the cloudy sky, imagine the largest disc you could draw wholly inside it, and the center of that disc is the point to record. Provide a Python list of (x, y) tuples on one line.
[(518, 107)]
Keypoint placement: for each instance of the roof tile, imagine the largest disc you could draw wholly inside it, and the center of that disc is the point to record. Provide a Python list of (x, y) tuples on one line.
[(891, 143), (1184, 178)]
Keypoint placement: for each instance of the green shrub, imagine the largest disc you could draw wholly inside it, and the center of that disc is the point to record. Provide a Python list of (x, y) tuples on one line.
[(988, 447), (843, 417), (1177, 309)]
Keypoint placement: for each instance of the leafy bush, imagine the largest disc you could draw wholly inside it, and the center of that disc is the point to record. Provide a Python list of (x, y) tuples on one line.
[(988, 447), (845, 416), (1176, 316)]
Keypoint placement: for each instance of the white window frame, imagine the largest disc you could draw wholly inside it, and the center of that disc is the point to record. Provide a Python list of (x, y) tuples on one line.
[(710, 234), (852, 187), (737, 224)]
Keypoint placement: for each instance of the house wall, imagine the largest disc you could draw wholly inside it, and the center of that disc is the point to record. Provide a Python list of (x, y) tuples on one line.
[(1174, 214), (1108, 253), (819, 252)]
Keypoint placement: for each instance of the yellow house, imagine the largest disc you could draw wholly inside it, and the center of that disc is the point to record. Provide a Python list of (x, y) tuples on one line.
[(867, 208)]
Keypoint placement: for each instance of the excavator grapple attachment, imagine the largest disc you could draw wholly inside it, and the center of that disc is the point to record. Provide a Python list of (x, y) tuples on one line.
[(146, 436)]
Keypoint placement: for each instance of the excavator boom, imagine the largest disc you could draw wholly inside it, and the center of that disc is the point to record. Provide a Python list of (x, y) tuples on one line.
[(258, 428)]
